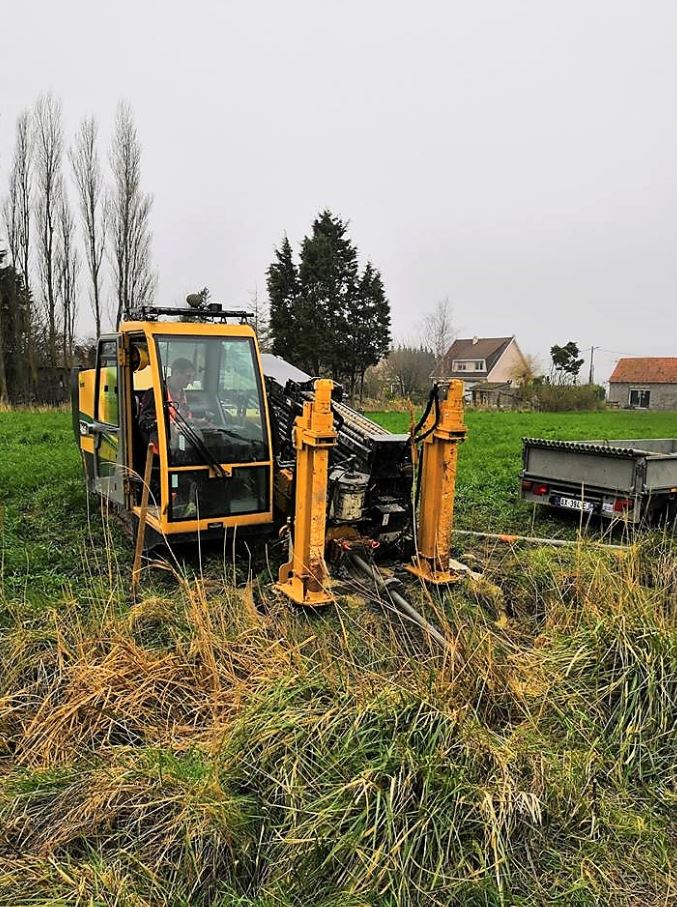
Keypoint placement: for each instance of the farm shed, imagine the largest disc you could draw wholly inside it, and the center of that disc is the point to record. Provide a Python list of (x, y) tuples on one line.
[(496, 395), (645, 383)]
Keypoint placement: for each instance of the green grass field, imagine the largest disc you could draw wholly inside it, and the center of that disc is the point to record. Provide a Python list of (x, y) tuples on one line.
[(207, 745), (48, 540), (45, 537)]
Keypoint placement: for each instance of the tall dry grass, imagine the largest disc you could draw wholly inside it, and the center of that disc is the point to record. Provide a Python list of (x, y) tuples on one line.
[(212, 746)]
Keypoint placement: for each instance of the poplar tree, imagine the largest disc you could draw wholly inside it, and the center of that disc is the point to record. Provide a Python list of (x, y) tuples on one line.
[(49, 179), (130, 219), (84, 158), (17, 211)]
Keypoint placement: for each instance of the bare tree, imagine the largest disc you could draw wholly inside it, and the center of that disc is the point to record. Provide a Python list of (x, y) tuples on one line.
[(526, 371), (438, 330), (49, 154), (18, 203), (408, 369), (93, 209), (10, 210), (17, 210), (68, 269), (3, 372), (261, 318), (130, 213)]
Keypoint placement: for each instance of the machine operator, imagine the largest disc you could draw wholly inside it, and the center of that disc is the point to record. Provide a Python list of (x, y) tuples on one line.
[(183, 374)]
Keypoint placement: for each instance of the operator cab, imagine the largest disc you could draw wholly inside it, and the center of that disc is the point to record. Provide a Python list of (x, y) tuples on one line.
[(195, 390)]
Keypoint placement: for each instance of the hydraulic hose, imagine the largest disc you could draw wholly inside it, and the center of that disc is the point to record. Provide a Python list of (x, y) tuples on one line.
[(416, 439), (432, 397)]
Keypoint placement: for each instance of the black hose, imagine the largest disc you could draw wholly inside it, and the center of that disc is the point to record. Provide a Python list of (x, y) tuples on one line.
[(419, 473), (426, 412), (434, 393), (417, 439)]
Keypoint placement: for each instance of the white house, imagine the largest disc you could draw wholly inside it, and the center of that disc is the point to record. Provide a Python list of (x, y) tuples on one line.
[(490, 361)]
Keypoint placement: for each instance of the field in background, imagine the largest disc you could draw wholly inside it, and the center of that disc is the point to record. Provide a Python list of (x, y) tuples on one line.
[(209, 746)]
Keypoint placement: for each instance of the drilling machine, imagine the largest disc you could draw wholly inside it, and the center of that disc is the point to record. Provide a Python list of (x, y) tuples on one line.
[(250, 444)]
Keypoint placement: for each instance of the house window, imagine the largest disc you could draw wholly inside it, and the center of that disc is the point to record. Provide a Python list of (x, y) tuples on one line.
[(468, 365), (639, 398)]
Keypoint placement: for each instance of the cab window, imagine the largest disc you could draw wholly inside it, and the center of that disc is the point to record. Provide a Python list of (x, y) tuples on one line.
[(214, 400), (107, 398)]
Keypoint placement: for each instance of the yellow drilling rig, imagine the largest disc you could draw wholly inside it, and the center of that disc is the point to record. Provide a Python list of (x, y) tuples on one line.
[(188, 431)]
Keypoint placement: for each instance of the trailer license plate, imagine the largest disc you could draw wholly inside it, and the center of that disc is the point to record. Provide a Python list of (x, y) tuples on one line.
[(575, 504)]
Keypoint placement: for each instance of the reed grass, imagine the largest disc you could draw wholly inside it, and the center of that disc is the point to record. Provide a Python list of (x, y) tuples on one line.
[(212, 746)]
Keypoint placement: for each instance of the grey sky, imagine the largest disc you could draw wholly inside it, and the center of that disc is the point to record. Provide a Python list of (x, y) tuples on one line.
[(518, 156)]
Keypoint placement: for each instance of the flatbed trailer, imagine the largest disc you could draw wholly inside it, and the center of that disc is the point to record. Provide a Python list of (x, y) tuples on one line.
[(630, 480)]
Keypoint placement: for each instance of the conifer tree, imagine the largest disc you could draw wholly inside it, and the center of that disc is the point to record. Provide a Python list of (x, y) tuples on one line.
[(369, 320), (329, 277), (14, 302), (325, 317), (283, 292)]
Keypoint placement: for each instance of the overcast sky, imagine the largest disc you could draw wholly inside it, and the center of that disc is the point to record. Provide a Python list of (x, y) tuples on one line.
[(517, 156)]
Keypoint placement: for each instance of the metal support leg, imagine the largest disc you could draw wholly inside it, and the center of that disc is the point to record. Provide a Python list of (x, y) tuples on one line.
[(141, 531), (305, 578), (438, 490)]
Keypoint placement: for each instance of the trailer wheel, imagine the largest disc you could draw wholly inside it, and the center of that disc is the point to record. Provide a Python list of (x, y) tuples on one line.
[(663, 515)]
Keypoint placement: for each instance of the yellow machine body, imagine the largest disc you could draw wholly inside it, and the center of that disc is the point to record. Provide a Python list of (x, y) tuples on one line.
[(438, 490), (305, 578), (233, 489)]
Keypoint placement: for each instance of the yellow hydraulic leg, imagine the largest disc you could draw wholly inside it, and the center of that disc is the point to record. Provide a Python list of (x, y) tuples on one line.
[(438, 489), (304, 579)]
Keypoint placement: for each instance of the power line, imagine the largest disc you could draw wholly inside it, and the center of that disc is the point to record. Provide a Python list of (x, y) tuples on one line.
[(603, 349)]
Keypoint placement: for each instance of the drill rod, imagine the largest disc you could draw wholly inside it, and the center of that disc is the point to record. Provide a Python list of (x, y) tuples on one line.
[(402, 604)]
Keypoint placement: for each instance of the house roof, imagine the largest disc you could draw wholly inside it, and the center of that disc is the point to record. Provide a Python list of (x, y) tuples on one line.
[(488, 348), (645, 370)]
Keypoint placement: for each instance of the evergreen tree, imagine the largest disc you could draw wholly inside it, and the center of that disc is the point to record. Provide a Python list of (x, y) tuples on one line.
[(369, 326), (14, 328), (283, 292), (329, 277), (325, 317)]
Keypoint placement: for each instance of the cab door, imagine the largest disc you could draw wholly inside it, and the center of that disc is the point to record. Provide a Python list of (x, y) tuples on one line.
[(108, 424)]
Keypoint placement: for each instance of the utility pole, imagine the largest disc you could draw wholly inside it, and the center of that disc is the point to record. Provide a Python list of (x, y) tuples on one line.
[(591, 375)]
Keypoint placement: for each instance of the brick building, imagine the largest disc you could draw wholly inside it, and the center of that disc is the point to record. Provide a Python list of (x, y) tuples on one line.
[(645, 383)]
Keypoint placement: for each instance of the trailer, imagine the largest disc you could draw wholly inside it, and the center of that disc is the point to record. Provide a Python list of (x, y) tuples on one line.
[(634, 481)]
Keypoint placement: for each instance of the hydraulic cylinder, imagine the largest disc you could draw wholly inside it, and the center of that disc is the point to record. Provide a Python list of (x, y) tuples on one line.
[(305, 578), (441, 440)]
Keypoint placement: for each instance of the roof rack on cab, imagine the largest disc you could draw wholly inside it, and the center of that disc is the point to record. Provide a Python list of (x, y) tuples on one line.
[(213, 311)]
